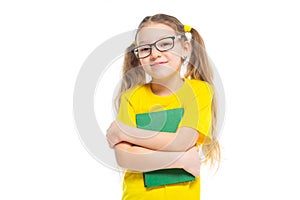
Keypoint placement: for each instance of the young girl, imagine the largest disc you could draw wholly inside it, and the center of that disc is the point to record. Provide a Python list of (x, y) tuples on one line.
[(160, 49)]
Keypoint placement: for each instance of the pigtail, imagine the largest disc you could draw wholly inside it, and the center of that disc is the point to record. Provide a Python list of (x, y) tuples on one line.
[(199, 68), (132, 74)]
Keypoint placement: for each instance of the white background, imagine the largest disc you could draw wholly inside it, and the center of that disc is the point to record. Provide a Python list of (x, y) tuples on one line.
[(254, 45)]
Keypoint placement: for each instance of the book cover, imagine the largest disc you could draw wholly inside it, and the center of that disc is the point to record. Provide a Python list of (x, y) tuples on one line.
[(163, 121)]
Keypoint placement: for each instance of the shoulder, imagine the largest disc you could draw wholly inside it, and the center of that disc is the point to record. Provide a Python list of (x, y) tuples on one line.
[(135, 92), (201, 88)]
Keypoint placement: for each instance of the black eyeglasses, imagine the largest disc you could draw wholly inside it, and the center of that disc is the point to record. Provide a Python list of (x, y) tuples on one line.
[(161, 45)]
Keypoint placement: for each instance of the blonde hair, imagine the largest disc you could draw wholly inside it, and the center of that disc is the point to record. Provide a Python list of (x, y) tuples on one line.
[(198, 68)]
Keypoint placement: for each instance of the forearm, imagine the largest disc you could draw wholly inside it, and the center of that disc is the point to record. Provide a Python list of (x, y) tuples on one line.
[(182, 140), (142, 159)]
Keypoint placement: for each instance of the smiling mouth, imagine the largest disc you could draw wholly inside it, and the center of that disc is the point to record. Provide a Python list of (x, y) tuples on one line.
[(157, 64)]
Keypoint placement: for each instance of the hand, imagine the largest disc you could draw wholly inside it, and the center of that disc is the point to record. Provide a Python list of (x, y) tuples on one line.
[(113, 135), (190, 161)]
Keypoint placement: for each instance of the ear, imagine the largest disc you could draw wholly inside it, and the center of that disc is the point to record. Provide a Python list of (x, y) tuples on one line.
[(187, 48)]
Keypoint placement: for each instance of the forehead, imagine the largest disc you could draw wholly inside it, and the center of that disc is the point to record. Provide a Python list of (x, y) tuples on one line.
[(153, 32)]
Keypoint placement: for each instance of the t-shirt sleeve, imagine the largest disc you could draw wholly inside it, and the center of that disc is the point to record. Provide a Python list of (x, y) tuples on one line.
[(126, 112), (198, 113)]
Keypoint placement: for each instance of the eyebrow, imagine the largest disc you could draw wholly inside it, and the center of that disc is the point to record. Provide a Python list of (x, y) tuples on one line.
[(143, 42)]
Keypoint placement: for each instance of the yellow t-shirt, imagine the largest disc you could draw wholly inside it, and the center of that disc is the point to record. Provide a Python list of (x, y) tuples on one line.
[(195, 97)]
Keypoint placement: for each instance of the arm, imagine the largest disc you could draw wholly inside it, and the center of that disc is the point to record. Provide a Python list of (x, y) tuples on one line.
[(182, 140), (195, 126), (143, 160)]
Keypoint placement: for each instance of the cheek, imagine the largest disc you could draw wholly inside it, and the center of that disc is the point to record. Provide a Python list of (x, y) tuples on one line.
[(177, 50), (144, 62), (176, 61)]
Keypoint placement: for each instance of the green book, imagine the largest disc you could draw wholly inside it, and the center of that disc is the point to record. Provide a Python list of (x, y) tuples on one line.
[(163, 121)]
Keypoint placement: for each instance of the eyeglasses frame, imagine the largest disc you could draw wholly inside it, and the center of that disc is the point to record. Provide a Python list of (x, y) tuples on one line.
[(154, 44)]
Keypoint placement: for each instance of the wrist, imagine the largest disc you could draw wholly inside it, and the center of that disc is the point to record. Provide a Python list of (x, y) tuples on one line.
[(122, 132)]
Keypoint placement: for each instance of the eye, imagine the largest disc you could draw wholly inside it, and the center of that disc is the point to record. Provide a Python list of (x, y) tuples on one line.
[(164, 44), (143, 49)]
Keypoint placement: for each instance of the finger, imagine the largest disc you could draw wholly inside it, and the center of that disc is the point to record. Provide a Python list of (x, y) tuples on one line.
[(108, 132), (110, 143), (193, 172), (196, 173)]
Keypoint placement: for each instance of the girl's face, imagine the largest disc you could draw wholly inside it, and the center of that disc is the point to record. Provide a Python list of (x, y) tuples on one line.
[(165, 57)]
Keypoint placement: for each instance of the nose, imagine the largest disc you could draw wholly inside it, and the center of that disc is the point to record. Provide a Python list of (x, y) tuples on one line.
[(154, 52)]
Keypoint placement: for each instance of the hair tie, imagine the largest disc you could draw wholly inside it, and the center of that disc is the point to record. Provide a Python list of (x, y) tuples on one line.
[(187, 28)]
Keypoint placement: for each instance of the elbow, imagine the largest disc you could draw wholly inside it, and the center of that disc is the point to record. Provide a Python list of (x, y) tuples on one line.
[(121, 163), (120, 154), (120, 158)]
